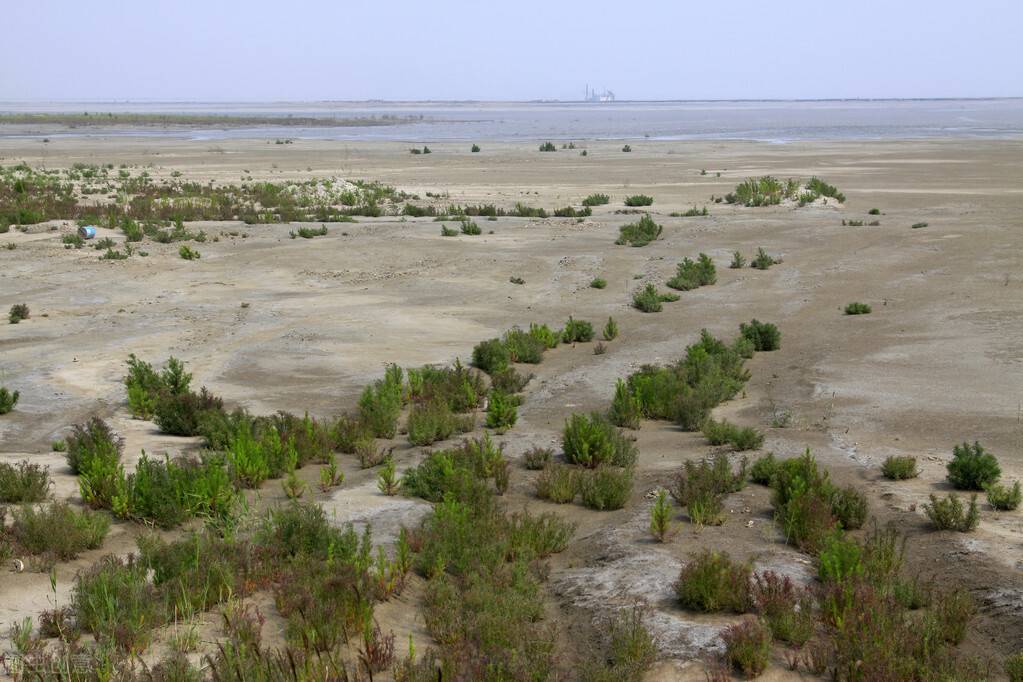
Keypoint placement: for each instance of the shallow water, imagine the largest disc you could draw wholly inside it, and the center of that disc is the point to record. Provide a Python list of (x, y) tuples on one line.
[(772, 121)]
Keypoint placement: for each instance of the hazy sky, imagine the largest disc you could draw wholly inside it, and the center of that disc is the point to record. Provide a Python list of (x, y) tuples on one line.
[(502, 49)]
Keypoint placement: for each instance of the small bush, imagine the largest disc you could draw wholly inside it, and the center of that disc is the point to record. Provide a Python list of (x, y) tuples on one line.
[(693, 274), (8, 399), (596, 200), (1000, 497), (23, 482), (558, 483), (592, 440), (446, 231), (625, 410), (949, 514), (610, 331), (182, 414), (188, 253), (491, 356), (764, 335), (549, 338), (661, 526), (763, 469), (501, 411), (577, 331), (58, 530), (524, 347), (747, 647), (762, 261), (917, 226), (627, 148), (606, 488), (433, 421), (899, 468), (740, 437), (738, 261), (548, 147), (700, 488), (713, 583), (972, 467), (640, 233), (19, 312), (856, 308), (538, 458), (639, 200), (850, 508), (470, 227), (649, 300), (509, 380), (598, 283), (786, 609), (475, 149), (1014, 667)]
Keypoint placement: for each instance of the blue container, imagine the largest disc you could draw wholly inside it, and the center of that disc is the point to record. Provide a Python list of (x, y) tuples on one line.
[(87, 232)]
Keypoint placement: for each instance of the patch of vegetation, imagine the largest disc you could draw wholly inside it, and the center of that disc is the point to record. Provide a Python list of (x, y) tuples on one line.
[(18, 312), (598, 283), (592, 440), (548, 147), (596, 200), (694, 274), (475, 149), (691, 213), (610, 331), (917, 226), (56, 531), (639, 200), (537, 458), (763, 469), (725, 433), (432, 421), (188, 253), (446, 231), (700, 488), (950, 514), (1002, 498), (713, 583), (23, 482), (738, 261), (972, 467), (470, 227), (639, 233), (627, 148), (857, 308), (577, 331), (309, 232), (558, 483), (748, 647), (763, 261), (491, 356), (605, 488), (649, 300), (899, 468), (8, 399), (501, 411), (764, 335)]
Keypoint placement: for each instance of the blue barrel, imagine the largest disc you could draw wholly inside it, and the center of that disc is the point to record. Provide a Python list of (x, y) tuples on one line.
[(87, 231)]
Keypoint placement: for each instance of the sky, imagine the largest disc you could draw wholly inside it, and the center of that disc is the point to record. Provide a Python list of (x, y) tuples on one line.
[(222, 50)]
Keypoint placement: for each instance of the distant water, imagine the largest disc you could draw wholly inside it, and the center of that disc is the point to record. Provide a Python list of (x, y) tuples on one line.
[(772, 121)]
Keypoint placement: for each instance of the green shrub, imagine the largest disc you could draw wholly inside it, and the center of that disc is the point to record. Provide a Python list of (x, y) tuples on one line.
[(501, 411), (524, 347), (19, 312), (639, 200), (649, 300), (475, 149), (550, 338), (849, 506), (380, 404), (764, 335), (166, 493), (747, 647), (972, 467), (899, 468), (181, 414), (461, 471), (738, 261), (548, 147), (23, 482), (469, 227), (446, 231), (693, 274), (661, 526), (596, 200), (625, 409), (949, 514), (558, 483), (598, 283), (188, 253), (491, 356), (724, 432), (459, 387), (700, 487), (713, 583), (802, 502), (857, 308), (592, 440), (606, 488), (763, 469), (536, 458), (1000, 497), (610, 330), (8, 399), (917, 226), (429, 422), (762, 191), (577, 331), (640, 233), (762, 261), (840, 559), (94, 454), (631, 650), (58, 530), (509, 380)]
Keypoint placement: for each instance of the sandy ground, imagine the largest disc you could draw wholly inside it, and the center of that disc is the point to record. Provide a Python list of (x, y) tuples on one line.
[(938, 362)]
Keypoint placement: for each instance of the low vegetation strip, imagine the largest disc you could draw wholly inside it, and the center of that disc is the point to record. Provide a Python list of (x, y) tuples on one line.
[(112, 119)]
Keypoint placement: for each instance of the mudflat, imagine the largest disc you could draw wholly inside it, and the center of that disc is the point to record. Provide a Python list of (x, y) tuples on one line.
[(272, 323)]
